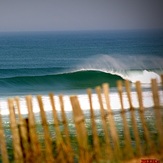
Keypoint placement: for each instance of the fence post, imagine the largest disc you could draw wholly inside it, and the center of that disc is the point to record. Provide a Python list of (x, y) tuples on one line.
[(162, 80), (59, 140), (128, 148), (96, 145), (3, 148), (104, 124), (67, 146), (18, 154), (24, 134), (36, 149), (18, 108), (48, 143), (64, 120), (156, 100), (135, 128), (150, 146), (112, 125), (82, 137), (56, 121)]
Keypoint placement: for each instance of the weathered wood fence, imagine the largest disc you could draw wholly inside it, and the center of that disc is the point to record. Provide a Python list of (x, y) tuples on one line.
[(86, 145)]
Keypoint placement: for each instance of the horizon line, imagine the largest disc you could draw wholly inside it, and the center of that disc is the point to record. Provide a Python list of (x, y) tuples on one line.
[(80, 30)]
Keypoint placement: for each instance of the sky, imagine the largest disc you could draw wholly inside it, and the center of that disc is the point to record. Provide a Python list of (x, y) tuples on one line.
[(54, 15)]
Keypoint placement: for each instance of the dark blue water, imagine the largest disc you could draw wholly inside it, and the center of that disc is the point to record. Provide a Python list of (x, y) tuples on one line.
[(34, 62)]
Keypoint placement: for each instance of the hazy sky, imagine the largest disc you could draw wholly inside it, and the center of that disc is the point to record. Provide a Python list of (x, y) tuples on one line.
[(45, 15)]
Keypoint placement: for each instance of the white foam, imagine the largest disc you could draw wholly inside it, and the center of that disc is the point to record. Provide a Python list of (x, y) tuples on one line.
[(125, 68), (84, 102), (144, 77)]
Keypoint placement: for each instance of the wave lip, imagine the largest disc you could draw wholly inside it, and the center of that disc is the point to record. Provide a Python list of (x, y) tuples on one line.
[(144, 76)]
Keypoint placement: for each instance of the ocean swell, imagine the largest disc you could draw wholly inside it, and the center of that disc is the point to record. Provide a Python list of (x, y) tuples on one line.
[(72, 80), (81, 79)]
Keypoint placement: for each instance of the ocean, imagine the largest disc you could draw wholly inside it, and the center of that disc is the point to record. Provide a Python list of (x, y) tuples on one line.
[(68, 63)]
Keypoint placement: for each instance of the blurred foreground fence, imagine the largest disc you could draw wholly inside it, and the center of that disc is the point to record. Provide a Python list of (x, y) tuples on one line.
[(86, 145)]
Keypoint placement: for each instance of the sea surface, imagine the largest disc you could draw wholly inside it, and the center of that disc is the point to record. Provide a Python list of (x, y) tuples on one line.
[(70, 62)]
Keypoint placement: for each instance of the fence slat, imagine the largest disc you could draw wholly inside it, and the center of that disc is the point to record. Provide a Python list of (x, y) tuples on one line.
[(150, 145), (56, 121), (61, 147), (128, 152), (104, 123), (18, 155), (36, 148), (18, 108), (64, 121), (162, 80), (113, 128), (96, 145), (67, 146), (135, 128), (82, 137), (156, 100), (3, 148), (47, 138), (24, 134)]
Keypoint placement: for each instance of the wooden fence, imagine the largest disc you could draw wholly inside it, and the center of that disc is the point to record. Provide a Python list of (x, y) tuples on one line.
[(128, 142)]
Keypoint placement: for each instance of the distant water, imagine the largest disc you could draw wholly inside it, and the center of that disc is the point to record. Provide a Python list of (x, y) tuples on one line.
[(69, 62)]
